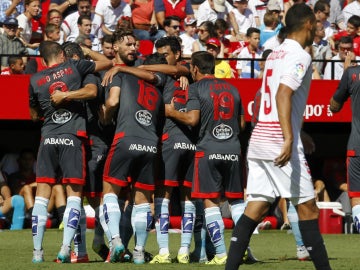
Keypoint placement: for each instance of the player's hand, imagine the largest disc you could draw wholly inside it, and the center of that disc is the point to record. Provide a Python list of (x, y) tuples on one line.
[(109, 75), (184, 82), (284, 156), (57, 97), (170, 108)]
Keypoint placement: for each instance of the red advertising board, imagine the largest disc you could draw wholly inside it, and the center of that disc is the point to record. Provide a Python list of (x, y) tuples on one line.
[(14, 102)]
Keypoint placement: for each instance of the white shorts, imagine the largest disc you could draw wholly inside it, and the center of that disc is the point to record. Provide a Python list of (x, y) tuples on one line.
[(267, 181)]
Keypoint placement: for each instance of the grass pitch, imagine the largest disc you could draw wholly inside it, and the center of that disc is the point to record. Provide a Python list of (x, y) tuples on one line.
[(276, 250)]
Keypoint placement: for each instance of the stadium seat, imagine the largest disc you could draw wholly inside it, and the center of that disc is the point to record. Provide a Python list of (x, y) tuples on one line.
[(146, 47)]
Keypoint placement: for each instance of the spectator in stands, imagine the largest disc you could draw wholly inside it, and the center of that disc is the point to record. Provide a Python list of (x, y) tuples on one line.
[(244, 67), (188, 37), (322, 13), (84, 27), (205, 31), (321, 49), (336, 18), (70, 22), (275, 41), (270, 24), (242, 19), (54, 17), (107, 47), (345, 54), (179, 8), (9, 43), (172, 26), (222, 68), (110, 12), (8, 203), (16, 66), (353, 30), (10, 9), (66, 7), (52, 32), (32, 8), (350, 9), (258, 7), (210, 10), (221, 28), (144, 20), (22, 182)]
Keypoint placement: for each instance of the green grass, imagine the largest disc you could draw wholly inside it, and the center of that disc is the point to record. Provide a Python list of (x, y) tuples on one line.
[(276, 250)]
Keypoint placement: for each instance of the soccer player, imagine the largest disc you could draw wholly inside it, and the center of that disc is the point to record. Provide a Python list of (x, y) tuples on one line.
[(138, 110), (215, 106), (99, 139), (276, 160), (349, 87), (61, 146), (178, 150)]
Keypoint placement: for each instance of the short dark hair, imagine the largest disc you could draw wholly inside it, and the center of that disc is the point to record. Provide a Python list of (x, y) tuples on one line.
[(168, 20), (155, 58), (173, 42), (71, 49), (252, 30), (320, 6), (83, 17), (296, 16), (354, 20), (346, 39), (107, 39), (120, 33), (49, 49), (12, 60), (204, 61)]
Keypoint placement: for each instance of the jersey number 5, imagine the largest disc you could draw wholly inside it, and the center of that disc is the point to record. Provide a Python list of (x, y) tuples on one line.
[(148, 96), (223, 105), (267, 94)]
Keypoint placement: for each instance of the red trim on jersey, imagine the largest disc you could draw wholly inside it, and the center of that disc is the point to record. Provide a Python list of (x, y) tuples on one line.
[(164, 137), (196, 170), (115, 181), (81, 133), (48, 180), (171, 183), (84, 161), (74, 181), (111, 153), (351, 153), (212, 195), (187, 184), (354, 194), (234, 195), (93, 194), (145, 186)]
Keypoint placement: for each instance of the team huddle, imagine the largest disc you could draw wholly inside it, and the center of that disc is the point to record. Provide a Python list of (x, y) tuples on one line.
[(142, 130)]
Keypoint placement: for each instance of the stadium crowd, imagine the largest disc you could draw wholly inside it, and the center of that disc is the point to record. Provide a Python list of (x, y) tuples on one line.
[(153, 44)]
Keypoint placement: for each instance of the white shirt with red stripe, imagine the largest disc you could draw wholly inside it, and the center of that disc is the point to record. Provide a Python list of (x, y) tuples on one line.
[(288, 64)]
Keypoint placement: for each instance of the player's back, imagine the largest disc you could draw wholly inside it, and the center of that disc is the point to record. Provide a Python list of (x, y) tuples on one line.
[(141, 109), (220, 109), (69, 117)]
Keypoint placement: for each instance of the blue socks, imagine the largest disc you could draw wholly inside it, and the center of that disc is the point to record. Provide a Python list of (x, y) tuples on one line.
[(112, 214), (356, 217), (18, 205), (294, 222), (39, 217), (71, 219), (80, 235), (142, 222), (215, 227), (162, 223)]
